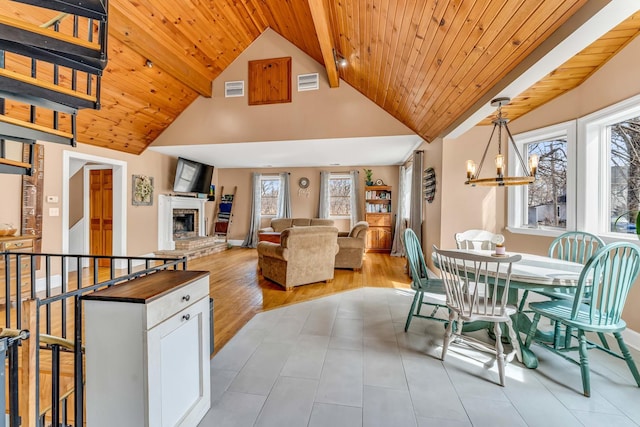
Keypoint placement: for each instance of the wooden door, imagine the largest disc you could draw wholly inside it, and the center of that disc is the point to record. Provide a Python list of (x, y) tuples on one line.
[(101, 213)]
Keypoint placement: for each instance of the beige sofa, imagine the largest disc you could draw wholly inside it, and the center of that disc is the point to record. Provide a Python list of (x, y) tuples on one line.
[(304, 255), (280, 224), (352, 246)]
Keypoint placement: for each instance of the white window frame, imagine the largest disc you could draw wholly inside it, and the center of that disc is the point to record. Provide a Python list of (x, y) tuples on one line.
[(517, 195), (593, 206), (270, 178), (338, 176)]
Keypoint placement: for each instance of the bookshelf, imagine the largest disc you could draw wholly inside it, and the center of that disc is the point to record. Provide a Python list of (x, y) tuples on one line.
[(378, 215)]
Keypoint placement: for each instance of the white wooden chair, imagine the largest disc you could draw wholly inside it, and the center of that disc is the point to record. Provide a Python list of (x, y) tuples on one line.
[(478, 239), (472, 296)]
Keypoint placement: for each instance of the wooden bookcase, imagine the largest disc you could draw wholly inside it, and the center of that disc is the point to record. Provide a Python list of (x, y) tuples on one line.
[(377, 208)]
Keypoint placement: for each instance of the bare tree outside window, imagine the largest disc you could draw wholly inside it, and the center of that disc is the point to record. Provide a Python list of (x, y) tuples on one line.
[(269, 191), (339, 196), (547, 195), (624, 154)]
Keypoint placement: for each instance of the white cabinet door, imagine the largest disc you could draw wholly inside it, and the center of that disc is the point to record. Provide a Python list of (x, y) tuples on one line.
[(178, 361)]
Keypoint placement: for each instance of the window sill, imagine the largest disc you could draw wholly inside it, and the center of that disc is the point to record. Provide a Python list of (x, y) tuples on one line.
[(547, 232), (611, 238)]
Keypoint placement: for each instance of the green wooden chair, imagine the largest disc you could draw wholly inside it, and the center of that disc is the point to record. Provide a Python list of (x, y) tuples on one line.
[(596, 307), (574, 246), (423, 281)]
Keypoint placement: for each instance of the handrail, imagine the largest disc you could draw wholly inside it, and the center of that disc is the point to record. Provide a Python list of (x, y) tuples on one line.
[(55, 340)]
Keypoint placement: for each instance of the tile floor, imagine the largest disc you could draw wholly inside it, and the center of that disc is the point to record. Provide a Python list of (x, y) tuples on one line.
[(345, 360)]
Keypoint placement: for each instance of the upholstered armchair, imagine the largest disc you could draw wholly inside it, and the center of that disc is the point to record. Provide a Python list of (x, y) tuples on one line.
[(352, 246), (304, 255)]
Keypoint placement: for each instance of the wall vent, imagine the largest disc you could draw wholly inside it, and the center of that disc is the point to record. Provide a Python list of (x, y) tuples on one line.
[(308, 82), (233, 89)]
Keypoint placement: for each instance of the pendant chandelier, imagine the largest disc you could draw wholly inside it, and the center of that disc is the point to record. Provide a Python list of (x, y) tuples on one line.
[(500, 180)]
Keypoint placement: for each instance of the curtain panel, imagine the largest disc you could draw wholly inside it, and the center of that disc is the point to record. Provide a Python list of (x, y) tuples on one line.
[(284, 196), (397, 249), (356, 206), (323, 203), (415, 214), (251, 241)]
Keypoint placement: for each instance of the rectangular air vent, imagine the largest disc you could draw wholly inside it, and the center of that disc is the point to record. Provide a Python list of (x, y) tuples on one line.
[(233, 89), (308, 82)]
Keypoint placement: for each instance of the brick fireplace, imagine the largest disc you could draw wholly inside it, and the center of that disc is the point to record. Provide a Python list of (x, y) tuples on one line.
[(185, 223), (179, 218)]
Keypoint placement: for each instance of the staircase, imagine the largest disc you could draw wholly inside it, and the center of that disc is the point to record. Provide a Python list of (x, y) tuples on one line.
[(51, 63)]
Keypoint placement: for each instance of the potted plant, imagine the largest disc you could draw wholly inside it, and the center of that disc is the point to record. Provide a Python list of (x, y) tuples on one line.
[(630, 213), (369, 180)]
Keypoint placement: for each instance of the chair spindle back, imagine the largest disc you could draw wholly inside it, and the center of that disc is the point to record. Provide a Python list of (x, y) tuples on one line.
[(470, 282), (575, 246), (605, 282)]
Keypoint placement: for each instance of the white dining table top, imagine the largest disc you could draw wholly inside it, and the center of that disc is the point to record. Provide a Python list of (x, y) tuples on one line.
[(536, 270)]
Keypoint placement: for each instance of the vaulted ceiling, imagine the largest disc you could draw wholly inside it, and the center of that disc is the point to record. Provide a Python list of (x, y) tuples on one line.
[(425, 62)]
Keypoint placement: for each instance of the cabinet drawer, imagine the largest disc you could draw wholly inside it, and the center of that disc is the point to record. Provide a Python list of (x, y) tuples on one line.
[(379, 220), (18, 244), (178, 300)]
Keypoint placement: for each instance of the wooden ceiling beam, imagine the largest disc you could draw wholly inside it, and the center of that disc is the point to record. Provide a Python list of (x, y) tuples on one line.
[(159, 49), (320, 21)]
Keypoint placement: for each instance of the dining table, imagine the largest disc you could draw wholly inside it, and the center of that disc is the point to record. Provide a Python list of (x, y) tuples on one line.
[(531, 273)]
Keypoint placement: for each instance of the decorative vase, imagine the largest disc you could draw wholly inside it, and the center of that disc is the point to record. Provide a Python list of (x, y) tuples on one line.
[(369, 183)]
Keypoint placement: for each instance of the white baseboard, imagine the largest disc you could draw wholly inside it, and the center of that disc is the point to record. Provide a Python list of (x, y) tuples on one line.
[(632, 338), (235, 242), (41, 284)]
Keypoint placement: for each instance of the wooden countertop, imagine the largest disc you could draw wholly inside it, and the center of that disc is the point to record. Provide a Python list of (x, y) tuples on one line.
[(147, 288)]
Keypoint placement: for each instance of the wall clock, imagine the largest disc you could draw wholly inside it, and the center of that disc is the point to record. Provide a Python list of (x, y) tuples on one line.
[(303, 182)]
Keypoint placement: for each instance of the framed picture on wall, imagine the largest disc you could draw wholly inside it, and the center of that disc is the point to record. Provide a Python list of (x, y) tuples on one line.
[(141, 190)]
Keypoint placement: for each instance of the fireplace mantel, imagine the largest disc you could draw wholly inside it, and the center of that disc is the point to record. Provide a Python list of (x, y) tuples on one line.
[(166, 205)]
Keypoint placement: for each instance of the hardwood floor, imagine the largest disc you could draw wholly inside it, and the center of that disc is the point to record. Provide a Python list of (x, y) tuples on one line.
[(239, 291)]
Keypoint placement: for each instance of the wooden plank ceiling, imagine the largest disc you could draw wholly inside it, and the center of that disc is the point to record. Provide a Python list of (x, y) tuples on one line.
[(424, 62)]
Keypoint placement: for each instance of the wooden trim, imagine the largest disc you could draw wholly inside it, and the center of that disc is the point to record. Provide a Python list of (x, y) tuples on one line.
[(36, 127), (323, 31), (10, 162), (16, 23), (45, 85)]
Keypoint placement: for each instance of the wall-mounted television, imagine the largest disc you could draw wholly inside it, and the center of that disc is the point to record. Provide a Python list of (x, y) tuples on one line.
[(192, 177)]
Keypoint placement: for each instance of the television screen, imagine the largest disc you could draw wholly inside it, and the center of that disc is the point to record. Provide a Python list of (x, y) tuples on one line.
[(192, 177)]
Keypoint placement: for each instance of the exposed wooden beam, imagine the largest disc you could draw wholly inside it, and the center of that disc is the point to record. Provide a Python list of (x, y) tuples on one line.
[(155, 45), (320, 21)]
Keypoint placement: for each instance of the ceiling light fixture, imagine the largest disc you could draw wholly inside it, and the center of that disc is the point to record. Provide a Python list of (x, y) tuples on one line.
[(148, 64), (500, 179), (341, 61)]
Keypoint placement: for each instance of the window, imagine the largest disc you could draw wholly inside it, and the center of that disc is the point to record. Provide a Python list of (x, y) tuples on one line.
[(612, 151), (269, 191), (623, 140), (406, 197), (544, 206), (339, 195), (590, 177)]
